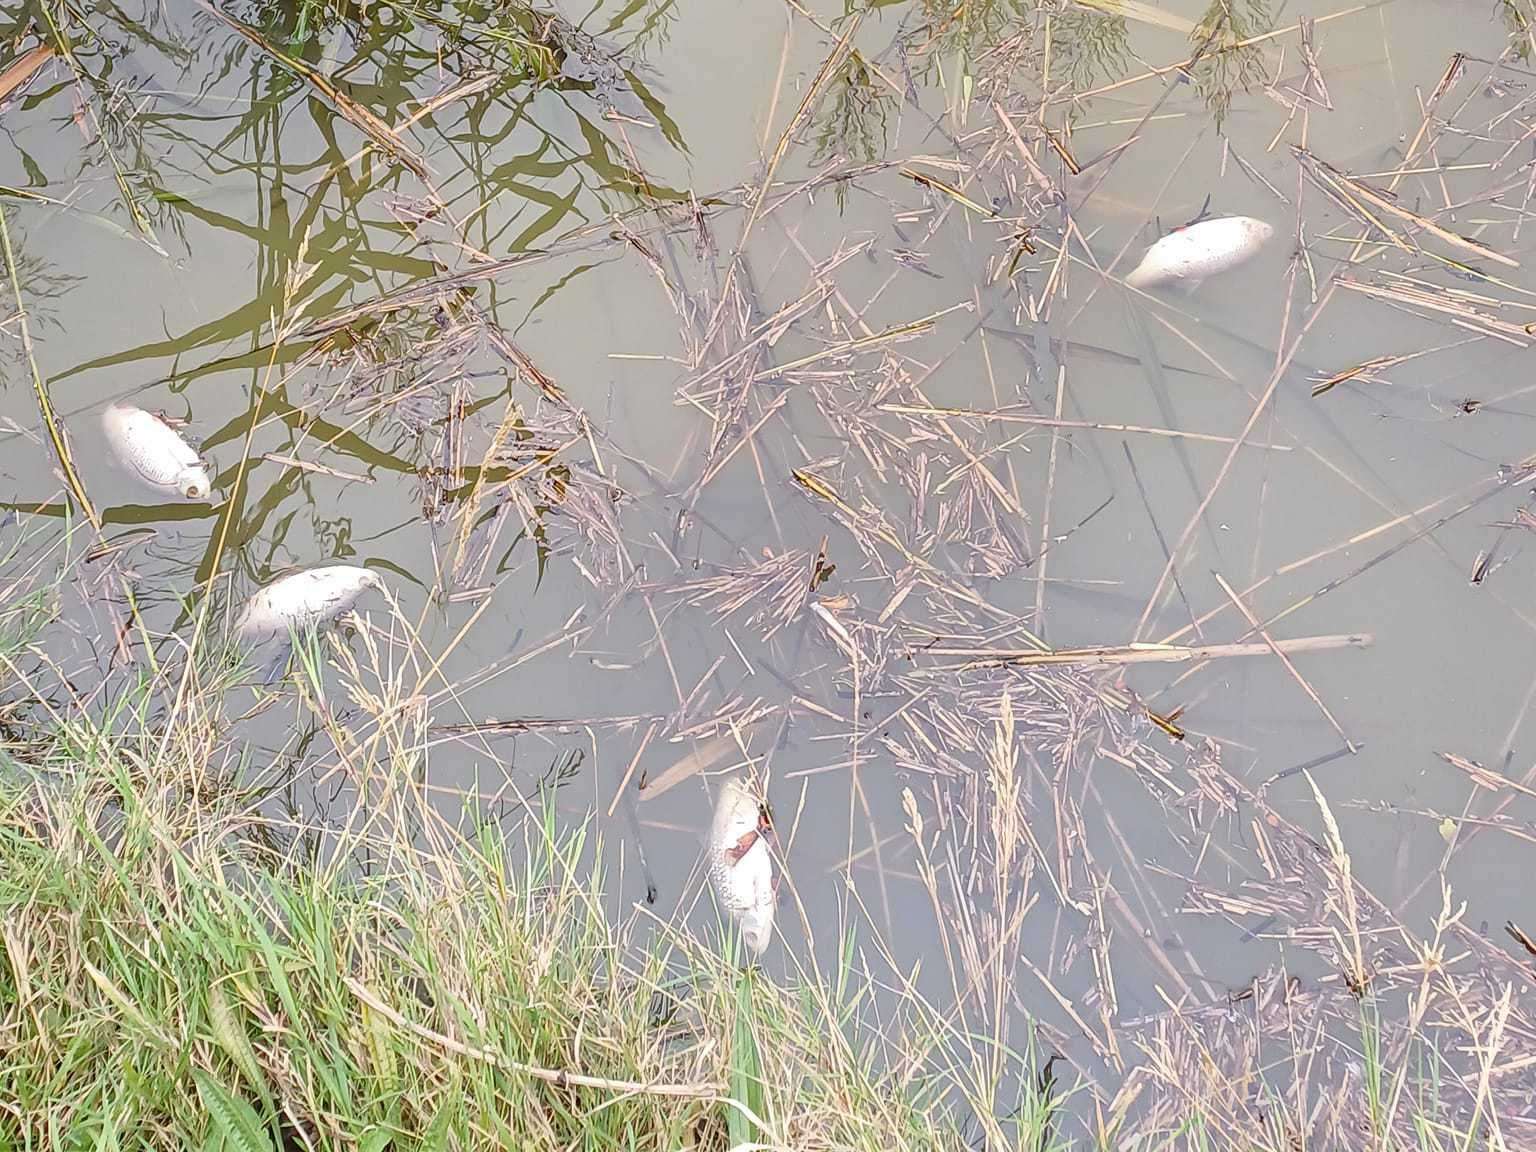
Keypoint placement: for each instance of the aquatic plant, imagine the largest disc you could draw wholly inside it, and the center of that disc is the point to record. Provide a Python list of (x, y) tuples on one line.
[(1224, 60), (853, 121)]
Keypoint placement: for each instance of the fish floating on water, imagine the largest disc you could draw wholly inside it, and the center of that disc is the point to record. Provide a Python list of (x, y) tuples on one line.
[(1188, 255), (152, 450), (302, 600), (740, 862)]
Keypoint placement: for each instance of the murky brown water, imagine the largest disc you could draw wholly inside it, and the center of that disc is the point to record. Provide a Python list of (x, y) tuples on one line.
[(233, 166)]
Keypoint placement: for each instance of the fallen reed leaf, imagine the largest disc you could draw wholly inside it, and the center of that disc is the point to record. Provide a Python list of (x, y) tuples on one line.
[(705, 755), (23, 69), (1142, 13)]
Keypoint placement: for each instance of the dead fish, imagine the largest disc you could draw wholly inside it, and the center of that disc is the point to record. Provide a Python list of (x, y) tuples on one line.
[(741, 862), (1188, 255), (153, 451), (302, 600)]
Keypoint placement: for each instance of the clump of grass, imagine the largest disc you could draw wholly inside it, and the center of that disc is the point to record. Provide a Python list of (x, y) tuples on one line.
[(182, 966)]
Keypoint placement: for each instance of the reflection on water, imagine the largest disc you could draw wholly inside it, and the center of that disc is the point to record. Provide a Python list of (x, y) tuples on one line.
[(727, 387)]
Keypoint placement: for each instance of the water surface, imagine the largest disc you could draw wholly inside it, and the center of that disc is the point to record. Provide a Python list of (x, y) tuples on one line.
[(577, 641)]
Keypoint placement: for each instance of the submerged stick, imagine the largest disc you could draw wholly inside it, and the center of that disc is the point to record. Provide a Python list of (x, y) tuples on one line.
[(1050, 490), (1253, 622), (1162, 541), (1003, 417), (1145, 653), (1283, 358)]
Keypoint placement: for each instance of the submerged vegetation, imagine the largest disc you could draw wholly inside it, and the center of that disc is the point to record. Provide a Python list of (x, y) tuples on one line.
[(1228, 59), (660, 481), (408, 973), (402, 977)]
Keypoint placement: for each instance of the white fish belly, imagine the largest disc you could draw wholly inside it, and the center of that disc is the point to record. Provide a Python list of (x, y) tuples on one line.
[(151, 449), (303, 599), (1200, 250)]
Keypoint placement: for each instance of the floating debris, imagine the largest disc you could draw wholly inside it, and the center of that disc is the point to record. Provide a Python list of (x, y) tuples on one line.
[(1190, 254), (153, 451), (302, 600), (741, 862)]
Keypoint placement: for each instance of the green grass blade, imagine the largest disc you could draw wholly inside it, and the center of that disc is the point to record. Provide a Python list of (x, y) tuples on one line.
[(232, 1121)]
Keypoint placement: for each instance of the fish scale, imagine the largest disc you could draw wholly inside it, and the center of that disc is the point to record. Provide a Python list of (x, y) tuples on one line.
[(303, 599), (744, 886), (151, 449)]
